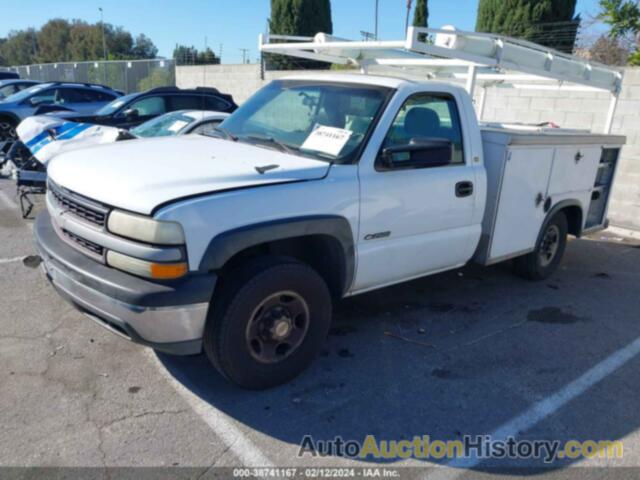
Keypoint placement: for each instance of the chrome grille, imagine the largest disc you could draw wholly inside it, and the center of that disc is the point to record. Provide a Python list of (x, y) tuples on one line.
[(81, 208), (84, 243)]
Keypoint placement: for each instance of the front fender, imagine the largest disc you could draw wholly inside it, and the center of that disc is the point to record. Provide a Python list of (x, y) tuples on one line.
[(227, 244)]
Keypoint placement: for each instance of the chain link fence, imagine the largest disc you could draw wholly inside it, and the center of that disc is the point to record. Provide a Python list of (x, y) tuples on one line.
[(126, 75)]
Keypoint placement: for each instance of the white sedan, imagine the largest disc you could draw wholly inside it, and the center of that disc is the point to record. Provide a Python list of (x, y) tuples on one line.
[(43, 137)]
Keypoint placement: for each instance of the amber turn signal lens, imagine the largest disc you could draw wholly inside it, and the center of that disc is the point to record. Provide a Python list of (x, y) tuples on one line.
[(167, 271), (142, 268)]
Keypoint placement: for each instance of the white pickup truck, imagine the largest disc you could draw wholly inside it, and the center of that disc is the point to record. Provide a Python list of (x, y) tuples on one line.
[(319, 187)]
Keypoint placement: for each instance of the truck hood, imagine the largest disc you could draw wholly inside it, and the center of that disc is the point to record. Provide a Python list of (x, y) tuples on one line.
[(142, 174)]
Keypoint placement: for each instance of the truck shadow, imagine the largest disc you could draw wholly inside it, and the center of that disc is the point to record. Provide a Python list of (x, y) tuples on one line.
[(460, 353)]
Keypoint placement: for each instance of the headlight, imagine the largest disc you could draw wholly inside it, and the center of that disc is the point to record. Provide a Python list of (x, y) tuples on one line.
[(145, 229), (142, 268)]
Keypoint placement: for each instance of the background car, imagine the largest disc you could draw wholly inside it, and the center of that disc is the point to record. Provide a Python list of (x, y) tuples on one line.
[(136, 108), (182, 122), (9, 87), (5, 75), (30, 170), (77, 97)]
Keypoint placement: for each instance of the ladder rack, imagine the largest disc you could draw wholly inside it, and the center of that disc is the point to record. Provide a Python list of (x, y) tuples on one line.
[(476, 58)]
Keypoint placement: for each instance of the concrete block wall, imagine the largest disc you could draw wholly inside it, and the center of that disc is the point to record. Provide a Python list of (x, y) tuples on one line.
[(241, 81), (583, 110)]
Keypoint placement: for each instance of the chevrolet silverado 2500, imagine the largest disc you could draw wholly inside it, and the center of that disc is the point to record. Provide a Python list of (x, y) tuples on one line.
[(319, 187)]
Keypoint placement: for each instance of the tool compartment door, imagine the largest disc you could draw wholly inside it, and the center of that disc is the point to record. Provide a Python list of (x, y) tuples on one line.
[(520, 211), (574, 169)]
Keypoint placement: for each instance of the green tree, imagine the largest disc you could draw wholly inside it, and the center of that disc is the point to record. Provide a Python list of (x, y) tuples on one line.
[(623, 17), (144, 48), (53, 39), (552, 23), (157, 78), (60, 40), (421, 17), (20, 47), (119, 43), (184, 55), (300, 18), (85, 41)]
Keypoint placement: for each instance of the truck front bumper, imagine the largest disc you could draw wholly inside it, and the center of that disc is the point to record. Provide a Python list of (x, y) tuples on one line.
[(168, 317)]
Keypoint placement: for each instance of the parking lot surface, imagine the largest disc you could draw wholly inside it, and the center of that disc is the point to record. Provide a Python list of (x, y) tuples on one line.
[(475, 351)]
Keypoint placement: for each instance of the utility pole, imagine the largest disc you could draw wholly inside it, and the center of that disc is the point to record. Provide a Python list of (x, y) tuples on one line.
[(375, 31), (367, 36), (104, 45), (204, 64), (220, 56), (104, 40), (406, 23), (244, 51)]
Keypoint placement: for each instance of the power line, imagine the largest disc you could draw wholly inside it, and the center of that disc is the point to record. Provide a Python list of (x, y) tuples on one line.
[(245, 53)]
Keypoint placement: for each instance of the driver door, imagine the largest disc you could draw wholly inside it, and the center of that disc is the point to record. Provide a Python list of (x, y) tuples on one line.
[(50, 96), (416, 218)]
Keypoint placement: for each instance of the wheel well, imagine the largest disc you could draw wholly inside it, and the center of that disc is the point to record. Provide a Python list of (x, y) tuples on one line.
[(323, 253), (574, 219), (10, 118)]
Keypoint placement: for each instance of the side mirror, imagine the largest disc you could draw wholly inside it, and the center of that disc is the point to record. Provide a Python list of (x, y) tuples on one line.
[(131, 113), (418, 153)]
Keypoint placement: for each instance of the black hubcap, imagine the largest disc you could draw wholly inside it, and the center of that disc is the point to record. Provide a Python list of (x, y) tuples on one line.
[(277, 327), (7, 131), (549, 245)]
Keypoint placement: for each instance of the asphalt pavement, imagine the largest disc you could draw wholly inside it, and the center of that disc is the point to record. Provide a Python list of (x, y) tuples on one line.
[(475, 351)]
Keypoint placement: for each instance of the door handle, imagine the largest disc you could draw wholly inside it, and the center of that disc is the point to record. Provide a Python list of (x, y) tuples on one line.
[(464, 189)]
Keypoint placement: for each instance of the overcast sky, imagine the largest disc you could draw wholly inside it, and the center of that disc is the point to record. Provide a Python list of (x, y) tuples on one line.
[(233, 23)]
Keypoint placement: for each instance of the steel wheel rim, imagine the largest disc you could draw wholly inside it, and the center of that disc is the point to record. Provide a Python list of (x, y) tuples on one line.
[(7, 132), (549, 245), (277, 327)]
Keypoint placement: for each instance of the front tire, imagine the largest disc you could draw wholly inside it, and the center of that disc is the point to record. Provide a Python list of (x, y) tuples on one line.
[(7, 130), (546, 258), (268, 322)]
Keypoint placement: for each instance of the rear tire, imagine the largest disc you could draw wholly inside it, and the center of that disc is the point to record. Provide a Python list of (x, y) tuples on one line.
[(269, 320), (546, 258)]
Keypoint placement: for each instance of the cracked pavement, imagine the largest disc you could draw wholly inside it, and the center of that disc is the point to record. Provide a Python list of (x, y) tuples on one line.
[(461, 352)]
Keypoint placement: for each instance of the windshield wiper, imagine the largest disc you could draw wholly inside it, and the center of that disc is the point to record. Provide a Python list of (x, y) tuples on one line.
[(272, 141), (228, 135)]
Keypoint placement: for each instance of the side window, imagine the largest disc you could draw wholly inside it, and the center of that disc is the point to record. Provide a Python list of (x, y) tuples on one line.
[(187, 102), (428, 116), (8, 90), (149, 106), (216, 104), (90, 96), (46, 97), (71, 95), (206, 128)]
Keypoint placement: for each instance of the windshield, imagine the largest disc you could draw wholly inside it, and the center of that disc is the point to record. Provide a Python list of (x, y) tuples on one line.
[(324, 120), (112, 107), (164, 126), (24, 94), (5, 91)]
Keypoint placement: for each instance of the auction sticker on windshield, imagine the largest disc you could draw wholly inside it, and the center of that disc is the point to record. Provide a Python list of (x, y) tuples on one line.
[(178, 125), (329, 140)]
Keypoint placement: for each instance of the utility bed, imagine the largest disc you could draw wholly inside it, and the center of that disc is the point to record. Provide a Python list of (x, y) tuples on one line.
[(530, 169)]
